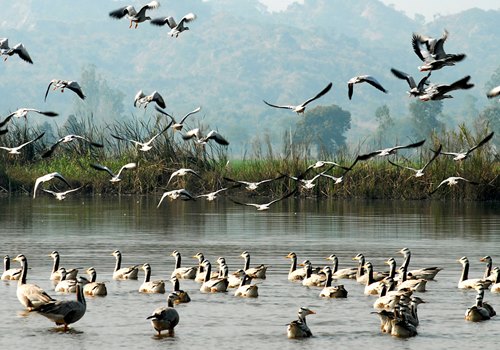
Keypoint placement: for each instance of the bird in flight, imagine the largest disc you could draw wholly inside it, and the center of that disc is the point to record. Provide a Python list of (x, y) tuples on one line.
[(420, 172), (65, 84), (15, 150), (438, 91), (144, 146), (48, 177), (177, 126), (142, 99), (388, 151), (415, 90), (458, 156), (265, 206), (66, 139), (61, 195), (180, 193), (203, 140), (302, 107), (175, 28), (252, 186), (23, 113), (433, 55), (18, 49), (363, 79), (133, 15), (453, 180), (114, 177)]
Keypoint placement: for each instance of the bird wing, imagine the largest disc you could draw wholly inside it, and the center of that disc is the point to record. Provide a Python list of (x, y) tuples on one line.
[(190, 113), (161, 21), (48, 88), (149, 6), (402, 166), (459, 84), (191, 133), (404, 76), (423, 82), (247, 204), (214, 135), (123, 11), (416, 42), (27, 143), (4, 44), (126, 166), (158, 99), (102, 168), (413, 145), (276, 106), (138, 96), (163, 112), (49, 152), (436, 153), (22, 52), (161, 132), (482, 142), (7, 119), (350, 89), (437, 49), (373, 82), (284, 197), (46, 113), (60, 177), (75, 87), (187, 18), (367, 155), (49, 191), (165, 194), (321, 93)]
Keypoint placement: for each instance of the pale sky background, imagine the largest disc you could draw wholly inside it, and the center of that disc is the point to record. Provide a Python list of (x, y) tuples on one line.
[(428, 8)]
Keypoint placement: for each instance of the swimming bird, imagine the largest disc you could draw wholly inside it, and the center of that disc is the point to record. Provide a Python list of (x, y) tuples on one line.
[(469, 283), (143, 100), (175, 28), (265, 206), (212, 285), (15, 150), (400, 327), (415, 90), (253, 272), (174, 194), (144, 146), (427, 273), (363, 79), (165, 317), (246, 289), (388, 151), (94, 288), (415, 284), (349, 272), (30, 295), (177, 126), (312, 279), (23, 113), (252, 186), (420, 172), (65, 285), (493, 92), (65, 312), (478, 312), (182, 172), (182, 296), (19, 49), (65, 84), (133, 15), (459, 156), (451, 181), (55, 274), (433, 55), (298, 328), (330, 291), (203, 140), (148, 286), (61, 195), (114, 177), (361, 276), (48, 177), (495, 286), (295, 274), (439, 91), (125, 273), (182, 272), (200, 273), (372, 287), (489, 265), (302, 107), (66, 139), (8, 273)]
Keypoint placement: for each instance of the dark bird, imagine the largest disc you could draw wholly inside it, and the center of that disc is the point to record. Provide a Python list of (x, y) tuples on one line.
[(175, 28), (439, 91), (457, 156), (415, 90), (65, 84), (302, 107), (19, 50), (388, 151), (363, 79), (133, 15), (433, 55)]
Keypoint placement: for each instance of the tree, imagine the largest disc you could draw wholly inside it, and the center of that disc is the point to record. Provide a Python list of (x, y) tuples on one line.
[(491, 115), (324, 127), (385, 123), (424, 117)]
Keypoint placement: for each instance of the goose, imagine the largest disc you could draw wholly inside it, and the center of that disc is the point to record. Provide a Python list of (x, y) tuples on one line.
[(175, 28), (214, 285), (18, 49), (330, 291), (8, 273), (48, 177), (298, 328), (295, 274), (388, 298), (300, 109), (415, 90), (388, 151), (114, 177), (56, 274), (65, 84), (94, 288), (489, 264), (372, 287), (361, 276), (235, 278), (400, 327), (23, 113), (182, 272), (182, 296), (125, 273), (149, 286), (252, 186), (203, 140), (487, 306), (174, 194), (493, 92), (416, 285), (427, 273), (177, 126), (312, 279), (386, 317), (420, 172), (144, 146), (342, 273), (452, 181), (472, 283), (65, 312), (246, 289), (30, 295), (61, 195), (66, 285), (363, 79), (143, 100), (15, 150), (200, 273), (66, 139), (495, 287), (265, 206), (433, 56), (412, 316), (165, 317), (183, 172), (133, 15), (459, 156), (253, 272), (435, 92), (477, 312)]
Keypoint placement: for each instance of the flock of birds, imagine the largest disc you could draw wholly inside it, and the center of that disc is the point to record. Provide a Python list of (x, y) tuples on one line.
[(396, 290)]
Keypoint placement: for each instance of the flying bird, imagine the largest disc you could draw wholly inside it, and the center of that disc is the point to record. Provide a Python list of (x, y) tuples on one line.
[(420, 172), (363, 79), (66, 139), (494, 92), (65, 84), (439, 91), (415, 90), (458, 156), (177, 126), (175, 28), (61, 195), (453, 180), (15, 150), (433, 55), (252, 186), (265, 206), (145, 146), (114, 177), (213, 195), (182, 193), (23, 113), (182, 172), (203, 140), (388, 151), (302, 107), (48, 177), (142, 99), (133, 15), (19, 50)]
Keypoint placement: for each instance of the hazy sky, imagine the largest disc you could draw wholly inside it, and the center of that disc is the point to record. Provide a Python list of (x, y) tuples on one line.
[(428, 8)]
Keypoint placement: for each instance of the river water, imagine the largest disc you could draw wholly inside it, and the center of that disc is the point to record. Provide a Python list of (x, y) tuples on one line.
[(87, 230)]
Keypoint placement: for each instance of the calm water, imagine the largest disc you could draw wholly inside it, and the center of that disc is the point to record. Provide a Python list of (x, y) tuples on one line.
[(86, 231)]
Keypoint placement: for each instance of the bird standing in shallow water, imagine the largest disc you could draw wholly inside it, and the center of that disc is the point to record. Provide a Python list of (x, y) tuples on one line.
[(165, 317)]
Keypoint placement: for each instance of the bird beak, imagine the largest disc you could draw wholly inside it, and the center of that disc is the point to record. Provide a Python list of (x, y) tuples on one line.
[(311, 312)]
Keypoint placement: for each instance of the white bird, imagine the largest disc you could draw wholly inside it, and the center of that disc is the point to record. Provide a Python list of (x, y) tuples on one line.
[(174, 194), (203, 140), (420, 172), (148, 286), (298, 328), (61, 195), (124, 273), (458, 156), (55, 274), (133, 15), (114, 177), (302, 107), (388, 151), (246, 289), (177, 126), (330, 291), (252, 186), (8, 273), (213, 195), (15, 150), (66, 139), (65, 84), (265, 206), (493, 92), (213, 285), (18, 49), (363, 79), (46, 178), (94, 288), (142, 99), (144, 146), (175, 28), (322, 163), (436, 92), (415, 90), (182, 172), (469, 283), (23, 113), (451, 181), (433, 55), (165, 317)]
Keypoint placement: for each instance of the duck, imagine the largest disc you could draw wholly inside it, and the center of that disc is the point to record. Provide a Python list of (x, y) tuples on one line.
[(298, 328), (148, 286), (30, 295), (188, 273), (175, 28), (65, 312), (469, 283), (165, 317), (8, 273), (330, 291), (312, 279), (214, 285), (132, 14), (94, 288), (301, 108), (246, 289), (349, 272), (182, 296), (427, 273), (125, 273), (254, 272), (56, 274), (295, 274)]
